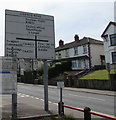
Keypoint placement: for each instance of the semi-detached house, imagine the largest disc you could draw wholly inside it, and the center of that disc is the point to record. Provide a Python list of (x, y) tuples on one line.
[(84, 53), (109, 37)]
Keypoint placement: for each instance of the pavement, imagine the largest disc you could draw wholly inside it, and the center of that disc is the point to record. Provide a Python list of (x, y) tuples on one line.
[(25, 109), (94, 91)]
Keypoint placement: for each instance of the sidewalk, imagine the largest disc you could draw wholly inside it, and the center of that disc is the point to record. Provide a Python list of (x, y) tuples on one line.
[(94, 91), (28, 110)]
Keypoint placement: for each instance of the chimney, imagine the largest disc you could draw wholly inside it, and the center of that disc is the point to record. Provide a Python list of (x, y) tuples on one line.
[(76, 37), (61, 43)]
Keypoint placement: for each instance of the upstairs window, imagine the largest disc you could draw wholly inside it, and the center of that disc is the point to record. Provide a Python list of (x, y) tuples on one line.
[(67, 53), (76, 51), (113, 39), (59, 55), (113, 57), (84, 49)]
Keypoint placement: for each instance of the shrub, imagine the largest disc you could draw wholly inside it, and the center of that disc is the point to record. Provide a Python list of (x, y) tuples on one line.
[(40, 71)]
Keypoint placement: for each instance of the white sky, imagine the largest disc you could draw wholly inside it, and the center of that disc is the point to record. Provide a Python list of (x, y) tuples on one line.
[(86, 18)]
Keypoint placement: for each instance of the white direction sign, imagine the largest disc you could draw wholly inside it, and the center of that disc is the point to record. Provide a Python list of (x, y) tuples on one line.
[(29, 35)]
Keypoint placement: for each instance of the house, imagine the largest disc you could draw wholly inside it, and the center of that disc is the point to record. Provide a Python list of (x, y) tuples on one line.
[(84, 53), (109, 37), (27, 64)]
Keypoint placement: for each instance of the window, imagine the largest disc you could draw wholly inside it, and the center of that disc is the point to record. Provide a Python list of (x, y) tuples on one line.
[(74, 64), (79, 64), (113, 57), (59, 55), (75, 50), (67, 52), (113, 39), (84, 49)]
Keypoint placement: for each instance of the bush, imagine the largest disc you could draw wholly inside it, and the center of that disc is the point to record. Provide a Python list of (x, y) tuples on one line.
[(59, 68), (29, 76), (56, 69), (40, 71)]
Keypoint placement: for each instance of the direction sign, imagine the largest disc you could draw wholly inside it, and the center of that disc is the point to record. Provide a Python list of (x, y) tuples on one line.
[(29, 35)]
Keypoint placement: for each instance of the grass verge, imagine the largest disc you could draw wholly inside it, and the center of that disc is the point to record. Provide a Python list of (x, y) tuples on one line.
[(99, 74)]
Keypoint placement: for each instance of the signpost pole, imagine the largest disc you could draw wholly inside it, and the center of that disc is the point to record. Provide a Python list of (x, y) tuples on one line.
[(14, 106), (61, 95), (45, 69)]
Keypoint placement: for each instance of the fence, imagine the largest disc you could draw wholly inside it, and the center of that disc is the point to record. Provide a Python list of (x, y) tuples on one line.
[(87, 112)]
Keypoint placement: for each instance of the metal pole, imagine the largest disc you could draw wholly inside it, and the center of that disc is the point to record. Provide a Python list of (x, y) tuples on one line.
[(61, 100), (45, 69), (61, 95), (14, 106)]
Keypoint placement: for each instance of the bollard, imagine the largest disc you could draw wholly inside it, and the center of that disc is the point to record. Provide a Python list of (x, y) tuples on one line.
[(87, 114), (60, 108)]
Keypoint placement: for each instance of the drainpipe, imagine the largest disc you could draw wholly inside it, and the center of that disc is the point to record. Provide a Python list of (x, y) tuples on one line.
[(89, 53)]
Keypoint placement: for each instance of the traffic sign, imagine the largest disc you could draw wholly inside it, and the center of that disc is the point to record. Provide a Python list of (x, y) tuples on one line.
[(29, 35), (60, 84)]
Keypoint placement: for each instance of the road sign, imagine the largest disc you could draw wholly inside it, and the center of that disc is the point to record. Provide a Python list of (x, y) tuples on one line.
[(8, 75), (60, 84), (29, 35)]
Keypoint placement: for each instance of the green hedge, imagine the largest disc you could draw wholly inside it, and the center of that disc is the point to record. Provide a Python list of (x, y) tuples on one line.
[(59, 68), (29, 76), (53, 71)]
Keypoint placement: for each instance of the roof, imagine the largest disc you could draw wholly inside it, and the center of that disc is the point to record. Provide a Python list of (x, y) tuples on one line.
[(83, 41), (113, 23)]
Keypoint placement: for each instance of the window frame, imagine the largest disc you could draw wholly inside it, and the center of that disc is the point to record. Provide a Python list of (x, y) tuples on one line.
[(67, 53), (75, 50), (84, 48), (113, 37), (113, 59)]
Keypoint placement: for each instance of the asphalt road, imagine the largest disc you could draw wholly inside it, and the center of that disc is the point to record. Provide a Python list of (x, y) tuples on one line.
[(99, 103)]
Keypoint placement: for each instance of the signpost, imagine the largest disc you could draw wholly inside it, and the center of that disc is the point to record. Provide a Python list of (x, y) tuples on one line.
[(8, 83), (8, 72), (30, 35), (60, 85)]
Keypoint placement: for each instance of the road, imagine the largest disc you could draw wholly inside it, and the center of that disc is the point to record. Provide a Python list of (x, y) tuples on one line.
[(99, 103)]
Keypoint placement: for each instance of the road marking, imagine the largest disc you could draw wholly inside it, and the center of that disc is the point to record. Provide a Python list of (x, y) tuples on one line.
[(77, 95), (96, 98), (42, 99), (37, 98), (22, 96), (55, 103), (49, 101), (31, 96), (27, 95), (87, 97)]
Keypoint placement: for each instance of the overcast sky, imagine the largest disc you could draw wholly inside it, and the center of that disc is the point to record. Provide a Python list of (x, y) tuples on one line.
[(85, 18)]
